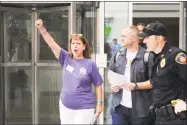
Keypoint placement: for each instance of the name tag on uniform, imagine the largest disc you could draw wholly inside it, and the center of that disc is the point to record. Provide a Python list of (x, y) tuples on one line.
[(70, 68)]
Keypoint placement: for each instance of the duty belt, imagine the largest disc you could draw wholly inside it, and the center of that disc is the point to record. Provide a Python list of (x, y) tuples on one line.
[(167, 112)]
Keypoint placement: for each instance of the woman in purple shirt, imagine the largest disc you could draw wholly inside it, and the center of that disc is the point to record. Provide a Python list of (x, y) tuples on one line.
[(77, 101)]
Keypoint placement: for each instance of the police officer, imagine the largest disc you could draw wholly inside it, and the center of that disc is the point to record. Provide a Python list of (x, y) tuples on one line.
[(167, 74)]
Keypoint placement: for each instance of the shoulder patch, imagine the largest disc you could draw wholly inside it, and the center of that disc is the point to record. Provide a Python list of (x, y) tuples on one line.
[(181, 58)]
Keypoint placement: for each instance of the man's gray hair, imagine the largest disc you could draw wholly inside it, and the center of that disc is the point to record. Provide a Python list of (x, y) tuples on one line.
[(133, 29)]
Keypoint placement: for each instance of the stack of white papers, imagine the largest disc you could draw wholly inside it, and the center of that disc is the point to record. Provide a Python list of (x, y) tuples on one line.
[(117, 79)]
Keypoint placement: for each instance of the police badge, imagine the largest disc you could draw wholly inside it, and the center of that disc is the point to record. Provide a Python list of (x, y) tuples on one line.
[(163, 63)]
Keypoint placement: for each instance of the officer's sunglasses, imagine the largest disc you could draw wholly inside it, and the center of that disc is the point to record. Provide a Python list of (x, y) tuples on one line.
[(150, 31)]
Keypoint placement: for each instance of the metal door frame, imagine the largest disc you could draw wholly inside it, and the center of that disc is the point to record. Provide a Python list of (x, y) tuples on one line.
[(182, 27)]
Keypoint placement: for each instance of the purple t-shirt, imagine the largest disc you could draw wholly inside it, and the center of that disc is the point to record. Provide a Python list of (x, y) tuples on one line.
[(78, 76)]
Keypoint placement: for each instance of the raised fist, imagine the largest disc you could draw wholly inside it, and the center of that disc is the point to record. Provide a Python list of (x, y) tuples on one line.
[(39, 23)]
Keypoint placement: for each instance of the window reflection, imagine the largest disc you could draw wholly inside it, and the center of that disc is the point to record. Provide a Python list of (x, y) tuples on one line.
[(18, 37), (19, 81), (86, 22), (49, 88), (116, 18), (56, 24), (19, 96)]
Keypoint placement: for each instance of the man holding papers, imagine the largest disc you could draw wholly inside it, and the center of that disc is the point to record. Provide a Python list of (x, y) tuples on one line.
[(129, 107)]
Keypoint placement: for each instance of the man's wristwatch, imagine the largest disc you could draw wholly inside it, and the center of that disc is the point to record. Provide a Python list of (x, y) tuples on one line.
[(136, 86)]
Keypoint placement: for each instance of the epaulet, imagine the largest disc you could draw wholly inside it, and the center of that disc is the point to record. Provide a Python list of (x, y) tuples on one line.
[(178, 54), (173, 50)]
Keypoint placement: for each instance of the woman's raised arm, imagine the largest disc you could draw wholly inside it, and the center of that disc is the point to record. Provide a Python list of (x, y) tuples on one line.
[(48, 39)]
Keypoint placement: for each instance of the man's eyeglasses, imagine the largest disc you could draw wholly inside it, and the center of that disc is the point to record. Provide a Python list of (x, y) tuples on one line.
[(148, 30)]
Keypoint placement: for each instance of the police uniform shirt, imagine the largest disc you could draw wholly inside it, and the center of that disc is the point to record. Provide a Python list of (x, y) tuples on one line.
[(169, 75)]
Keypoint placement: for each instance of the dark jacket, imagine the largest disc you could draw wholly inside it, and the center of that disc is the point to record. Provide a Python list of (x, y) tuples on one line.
[(141, 99), (169, 75)]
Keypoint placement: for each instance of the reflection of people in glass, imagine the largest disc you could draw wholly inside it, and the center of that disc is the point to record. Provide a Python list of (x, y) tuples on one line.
[(77, 101), (140, 27), (114, 46), (107, 50), (130, 107)]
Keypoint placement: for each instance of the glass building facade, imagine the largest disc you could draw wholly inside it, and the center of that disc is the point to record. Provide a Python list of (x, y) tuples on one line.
[(119, 15), (30, 76)]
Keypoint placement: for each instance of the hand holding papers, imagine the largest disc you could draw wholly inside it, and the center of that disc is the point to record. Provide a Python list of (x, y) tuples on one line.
[(115, 88), (116, 79), (130, 86), (119, 81)]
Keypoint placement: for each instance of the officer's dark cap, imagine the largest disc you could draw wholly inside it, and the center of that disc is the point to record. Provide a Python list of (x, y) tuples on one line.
[(154, 29)]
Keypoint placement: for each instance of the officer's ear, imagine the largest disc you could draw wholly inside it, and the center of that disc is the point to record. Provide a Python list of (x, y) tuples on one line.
[(159, 38)]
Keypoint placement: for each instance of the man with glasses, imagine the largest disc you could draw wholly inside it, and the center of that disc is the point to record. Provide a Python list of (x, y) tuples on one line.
[(167, 72)]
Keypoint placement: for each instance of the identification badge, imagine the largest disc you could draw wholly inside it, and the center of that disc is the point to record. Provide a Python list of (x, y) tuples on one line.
[(70, 68), (163, 63)]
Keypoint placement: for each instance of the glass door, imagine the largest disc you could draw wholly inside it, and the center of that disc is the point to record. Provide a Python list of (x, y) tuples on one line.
[(116, 18), (48, 71), (86, 23), (1, 74), (16, 58), (31, 76)]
